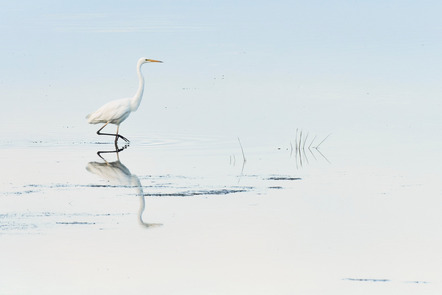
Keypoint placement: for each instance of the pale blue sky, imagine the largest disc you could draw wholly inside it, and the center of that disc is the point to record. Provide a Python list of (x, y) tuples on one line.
[(285, 63)]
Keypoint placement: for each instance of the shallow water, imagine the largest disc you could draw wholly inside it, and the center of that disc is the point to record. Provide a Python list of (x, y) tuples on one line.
[(190, 210), (218, 192)]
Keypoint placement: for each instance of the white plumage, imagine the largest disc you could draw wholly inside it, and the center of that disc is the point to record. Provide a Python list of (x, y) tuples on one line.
[(115, 112)]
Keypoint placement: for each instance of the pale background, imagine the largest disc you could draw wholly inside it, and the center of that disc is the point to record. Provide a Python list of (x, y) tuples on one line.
[(363, 219)]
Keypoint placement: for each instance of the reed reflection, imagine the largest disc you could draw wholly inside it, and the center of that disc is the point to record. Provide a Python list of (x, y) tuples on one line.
[(118, 174), (302, 149)]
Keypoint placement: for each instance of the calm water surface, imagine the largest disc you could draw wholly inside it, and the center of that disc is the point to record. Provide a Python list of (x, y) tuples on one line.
[(189, 209)]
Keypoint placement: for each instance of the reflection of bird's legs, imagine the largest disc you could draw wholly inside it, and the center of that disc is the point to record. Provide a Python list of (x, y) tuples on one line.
[(99, 154), (117, 150), (110, 134)]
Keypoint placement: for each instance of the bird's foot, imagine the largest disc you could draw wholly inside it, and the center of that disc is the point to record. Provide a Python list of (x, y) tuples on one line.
[(122, 137)]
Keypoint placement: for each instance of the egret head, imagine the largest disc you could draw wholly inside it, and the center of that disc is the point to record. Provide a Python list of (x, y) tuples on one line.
[(144, 60)]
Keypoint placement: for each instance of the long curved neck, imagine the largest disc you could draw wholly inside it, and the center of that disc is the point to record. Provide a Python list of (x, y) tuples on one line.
[(136, 100)]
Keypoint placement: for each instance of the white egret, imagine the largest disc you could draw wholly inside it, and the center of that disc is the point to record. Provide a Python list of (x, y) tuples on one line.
[(117, 111)]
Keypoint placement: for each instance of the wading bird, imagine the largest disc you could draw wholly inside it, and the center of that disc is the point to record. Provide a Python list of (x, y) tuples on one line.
[(117, 111)]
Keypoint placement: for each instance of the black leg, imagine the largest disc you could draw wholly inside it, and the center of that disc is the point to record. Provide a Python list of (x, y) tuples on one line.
[(111, 134), (117, 150), (121, 136)]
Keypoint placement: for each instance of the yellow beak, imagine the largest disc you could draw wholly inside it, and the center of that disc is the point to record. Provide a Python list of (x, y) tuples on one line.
[(153, 60)]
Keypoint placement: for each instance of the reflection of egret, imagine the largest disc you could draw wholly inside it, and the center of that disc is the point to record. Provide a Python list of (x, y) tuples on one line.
[(116, 172), (117, 111)]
